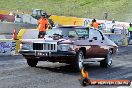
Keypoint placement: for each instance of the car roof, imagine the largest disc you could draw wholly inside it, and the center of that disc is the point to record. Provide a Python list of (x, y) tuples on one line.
[(71, 26)]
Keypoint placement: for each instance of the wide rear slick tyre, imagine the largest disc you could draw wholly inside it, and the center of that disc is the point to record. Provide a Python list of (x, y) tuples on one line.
[(32, 63), (107, 61)]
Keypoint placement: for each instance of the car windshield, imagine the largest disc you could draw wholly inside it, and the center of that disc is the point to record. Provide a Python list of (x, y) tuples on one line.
[(75, 32)]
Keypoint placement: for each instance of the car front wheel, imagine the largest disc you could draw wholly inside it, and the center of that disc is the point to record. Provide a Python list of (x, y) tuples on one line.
[(32, 63), (108, 60), (79, 59)]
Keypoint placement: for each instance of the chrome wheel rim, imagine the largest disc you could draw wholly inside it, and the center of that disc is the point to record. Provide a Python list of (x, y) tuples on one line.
[(80, 61), (110, 58)]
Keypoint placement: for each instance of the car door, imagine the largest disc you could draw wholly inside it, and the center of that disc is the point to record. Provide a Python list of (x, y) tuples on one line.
[(96, 42)]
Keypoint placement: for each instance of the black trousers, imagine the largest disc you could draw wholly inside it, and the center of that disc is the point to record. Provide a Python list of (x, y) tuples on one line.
[(41, 34)]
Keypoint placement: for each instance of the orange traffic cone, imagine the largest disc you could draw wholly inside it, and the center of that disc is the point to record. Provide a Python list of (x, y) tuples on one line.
[(84, 73), (14, 36)]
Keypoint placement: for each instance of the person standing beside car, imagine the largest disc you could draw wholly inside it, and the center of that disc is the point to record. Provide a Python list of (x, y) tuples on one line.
[(130, 32), (42, 26), (95, 24)]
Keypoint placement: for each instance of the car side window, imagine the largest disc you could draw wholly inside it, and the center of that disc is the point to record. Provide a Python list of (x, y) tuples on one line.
[(94, 33)]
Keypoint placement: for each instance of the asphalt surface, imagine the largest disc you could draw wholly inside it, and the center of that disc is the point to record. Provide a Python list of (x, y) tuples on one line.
[(15, 73)]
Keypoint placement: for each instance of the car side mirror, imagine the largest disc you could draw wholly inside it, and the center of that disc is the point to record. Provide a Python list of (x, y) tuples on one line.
[(95, 38)]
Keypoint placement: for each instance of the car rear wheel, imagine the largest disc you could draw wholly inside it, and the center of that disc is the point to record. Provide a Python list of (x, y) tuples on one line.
[(108, 60), (79, 60), (32, 63)]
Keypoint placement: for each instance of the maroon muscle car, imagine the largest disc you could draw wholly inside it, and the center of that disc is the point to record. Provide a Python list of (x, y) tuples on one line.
[(70, 44)]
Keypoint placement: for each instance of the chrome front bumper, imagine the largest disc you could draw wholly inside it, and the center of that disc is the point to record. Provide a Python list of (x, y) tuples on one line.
[(47, 54)]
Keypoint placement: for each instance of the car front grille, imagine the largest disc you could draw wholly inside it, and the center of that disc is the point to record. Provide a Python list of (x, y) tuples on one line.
[(37, 46), (44, 46)]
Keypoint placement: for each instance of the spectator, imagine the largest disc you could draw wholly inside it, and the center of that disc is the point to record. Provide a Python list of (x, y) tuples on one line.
[(95, 24), (42, 26), (130, 32)]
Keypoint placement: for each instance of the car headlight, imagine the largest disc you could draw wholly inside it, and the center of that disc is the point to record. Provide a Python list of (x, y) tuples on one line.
[(65, 47), (26, 46)]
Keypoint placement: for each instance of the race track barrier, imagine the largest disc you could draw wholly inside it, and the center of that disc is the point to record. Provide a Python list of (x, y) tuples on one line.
[(4, 12), (7, 47), (10, 46), (63, 20), (8, 27), (119, 39)]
